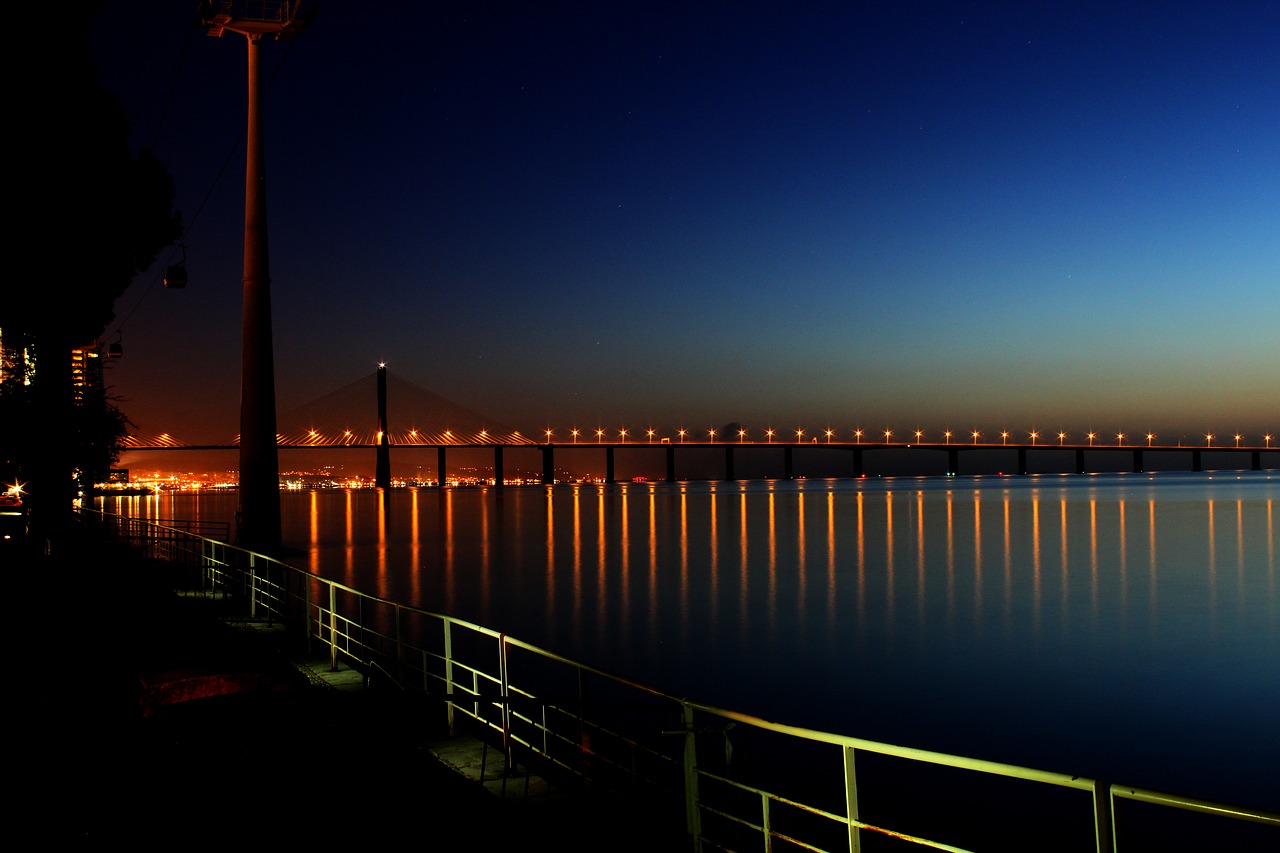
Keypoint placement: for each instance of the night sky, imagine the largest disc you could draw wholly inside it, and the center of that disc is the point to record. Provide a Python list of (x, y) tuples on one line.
[(907, 215)]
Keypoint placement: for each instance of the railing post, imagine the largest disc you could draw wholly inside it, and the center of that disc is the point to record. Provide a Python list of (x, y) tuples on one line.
[(504, 681), (1104, 816), (692, 808), (851, 800), (448, 673), (253, 586), (333, 629)]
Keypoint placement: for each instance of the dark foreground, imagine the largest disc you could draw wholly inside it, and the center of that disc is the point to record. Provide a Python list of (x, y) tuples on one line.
[(282, 758)]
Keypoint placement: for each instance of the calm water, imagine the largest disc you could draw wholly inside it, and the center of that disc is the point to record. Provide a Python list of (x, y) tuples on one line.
[(1125, 627)]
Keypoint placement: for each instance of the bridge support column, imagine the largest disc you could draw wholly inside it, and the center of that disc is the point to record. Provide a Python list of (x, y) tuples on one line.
[(1079, 460), (788, 466), (608, 465), (440, 473), (671, 463), (1195, 460), (953, 461), (548, 465), (497, 466), (728, 462), (1138, 467), (382, 469), (1255, 460), (1022, 460), (858, 470)]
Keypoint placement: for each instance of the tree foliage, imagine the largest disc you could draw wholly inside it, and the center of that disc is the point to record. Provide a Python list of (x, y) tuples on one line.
[(94, 215)]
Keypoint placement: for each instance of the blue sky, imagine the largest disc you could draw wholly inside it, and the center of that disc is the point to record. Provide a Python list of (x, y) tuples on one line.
[(914, 215)]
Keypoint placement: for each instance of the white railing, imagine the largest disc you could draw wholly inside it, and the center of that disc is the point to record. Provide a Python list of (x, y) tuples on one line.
[(799, 789)]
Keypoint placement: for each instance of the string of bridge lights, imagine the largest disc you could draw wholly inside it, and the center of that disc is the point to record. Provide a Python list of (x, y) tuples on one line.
[(1035, 438)]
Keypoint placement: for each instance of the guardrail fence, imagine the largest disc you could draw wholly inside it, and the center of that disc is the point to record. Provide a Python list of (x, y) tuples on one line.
[(728, 781)]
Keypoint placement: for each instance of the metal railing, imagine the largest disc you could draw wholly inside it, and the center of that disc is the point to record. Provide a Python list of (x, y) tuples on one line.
[(679, 760)]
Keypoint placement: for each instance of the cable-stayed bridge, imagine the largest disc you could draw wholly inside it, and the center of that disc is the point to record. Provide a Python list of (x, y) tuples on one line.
[(355, 416), (348, 417)]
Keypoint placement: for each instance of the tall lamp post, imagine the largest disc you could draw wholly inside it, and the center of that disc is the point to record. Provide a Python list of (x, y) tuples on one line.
[(259, 523)]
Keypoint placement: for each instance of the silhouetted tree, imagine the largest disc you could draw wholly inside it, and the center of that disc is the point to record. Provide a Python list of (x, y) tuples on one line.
[(95, 215)]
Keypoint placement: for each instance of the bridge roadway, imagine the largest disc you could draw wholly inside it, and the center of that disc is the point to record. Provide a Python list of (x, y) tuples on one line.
[(856, 452)]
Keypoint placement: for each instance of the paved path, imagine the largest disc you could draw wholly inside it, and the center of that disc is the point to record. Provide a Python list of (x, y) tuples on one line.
[(294, 753)]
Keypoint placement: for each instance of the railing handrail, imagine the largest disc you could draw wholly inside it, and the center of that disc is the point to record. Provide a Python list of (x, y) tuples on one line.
[(460, 696)]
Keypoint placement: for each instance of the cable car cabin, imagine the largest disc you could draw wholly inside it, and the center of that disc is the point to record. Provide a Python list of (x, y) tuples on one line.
[(175, 276), (115, 350)]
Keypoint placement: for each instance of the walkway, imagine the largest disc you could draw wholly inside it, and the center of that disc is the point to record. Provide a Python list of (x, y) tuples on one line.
[(289, 753)]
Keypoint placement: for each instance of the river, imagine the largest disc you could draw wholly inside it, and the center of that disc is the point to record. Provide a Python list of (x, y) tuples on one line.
[(1118, 626)]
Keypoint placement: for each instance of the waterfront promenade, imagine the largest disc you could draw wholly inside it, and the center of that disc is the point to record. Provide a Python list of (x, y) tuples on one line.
[(289, 753)]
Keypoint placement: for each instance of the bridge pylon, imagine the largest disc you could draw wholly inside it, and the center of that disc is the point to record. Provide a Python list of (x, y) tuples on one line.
[(382, 470)]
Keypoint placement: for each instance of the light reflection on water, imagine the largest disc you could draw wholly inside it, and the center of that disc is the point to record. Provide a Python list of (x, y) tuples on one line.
[(1124, 627)]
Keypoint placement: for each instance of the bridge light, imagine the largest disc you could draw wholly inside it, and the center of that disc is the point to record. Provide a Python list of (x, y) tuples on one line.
[(887, 434), (599, 435), (799, 434), (857, 436), (650, 434), (947, 435), (742, 435), (574, 433), (711, 435), (622, 433), (548, 434), (1062, 436), (448, 434), (1004, 436), (1150, 437), (1267, 439), (1208, 439), (975, 436), (484, 433), (829, 432), (1091, 436), (1237, 439), (769, 434), (1034, 435), (919, 433), (1119, 438), (682, 433)]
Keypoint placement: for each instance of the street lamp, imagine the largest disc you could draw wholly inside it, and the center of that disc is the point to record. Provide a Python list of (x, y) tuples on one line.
[(947, 436), (1004, 437), (887, 433), (799, 435), (574, 433), (919, 433), (857, 434), (1150, 437), (1034, 436), (1119, 439), (650, 434), (1237, 439), (548, 433), (622, 433), (1208, 439), (1062, 437), (682, 433), (829, 432), (1267, 438), (975, 436), (599, 435), (711, 436), (742, 436), (1091, 436), (769, 434)]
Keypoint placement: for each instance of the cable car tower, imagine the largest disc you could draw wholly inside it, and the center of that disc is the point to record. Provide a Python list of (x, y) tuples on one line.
[(259, 523)]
